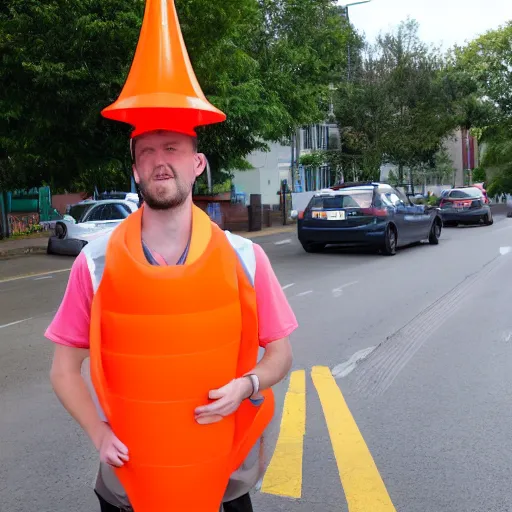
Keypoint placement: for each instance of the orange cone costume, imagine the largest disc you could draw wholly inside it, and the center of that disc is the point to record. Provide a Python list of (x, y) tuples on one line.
[(192, 328)]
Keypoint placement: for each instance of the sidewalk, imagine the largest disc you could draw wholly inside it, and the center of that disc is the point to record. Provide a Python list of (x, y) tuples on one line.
[(275, 230), (14, 248)]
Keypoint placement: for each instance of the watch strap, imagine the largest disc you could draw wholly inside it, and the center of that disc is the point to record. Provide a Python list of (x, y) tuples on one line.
[(255, 381)]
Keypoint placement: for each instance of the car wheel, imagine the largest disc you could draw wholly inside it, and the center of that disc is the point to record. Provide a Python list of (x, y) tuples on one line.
[(488, 220), (310, 247), (435, 233), (390, 242)]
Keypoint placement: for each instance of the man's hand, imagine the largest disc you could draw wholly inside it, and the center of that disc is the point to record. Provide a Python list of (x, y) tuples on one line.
[(111, 450), (227, 401)]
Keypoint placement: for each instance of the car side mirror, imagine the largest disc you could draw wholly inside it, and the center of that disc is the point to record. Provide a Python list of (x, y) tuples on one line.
[(294, 214)]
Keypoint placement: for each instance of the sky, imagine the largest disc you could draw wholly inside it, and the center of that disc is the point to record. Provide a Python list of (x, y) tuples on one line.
[(443, 22)]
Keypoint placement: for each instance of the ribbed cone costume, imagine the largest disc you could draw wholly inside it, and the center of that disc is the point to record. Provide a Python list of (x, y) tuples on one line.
[(163, 337)]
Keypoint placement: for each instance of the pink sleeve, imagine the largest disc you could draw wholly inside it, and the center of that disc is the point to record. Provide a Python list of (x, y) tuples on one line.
[(275, 316), (70, 325)]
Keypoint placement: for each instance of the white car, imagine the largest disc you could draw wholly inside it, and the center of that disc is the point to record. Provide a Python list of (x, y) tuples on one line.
[(88, 220)]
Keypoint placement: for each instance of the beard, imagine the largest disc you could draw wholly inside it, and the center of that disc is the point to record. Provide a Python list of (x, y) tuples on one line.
[(158, 196)]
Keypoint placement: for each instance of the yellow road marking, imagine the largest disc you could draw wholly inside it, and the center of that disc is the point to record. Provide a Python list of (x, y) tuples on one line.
[(284, 474), (37, 274), (364, 489)]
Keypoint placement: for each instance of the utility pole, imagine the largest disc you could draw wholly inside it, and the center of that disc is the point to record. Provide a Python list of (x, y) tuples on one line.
[(344, 14)]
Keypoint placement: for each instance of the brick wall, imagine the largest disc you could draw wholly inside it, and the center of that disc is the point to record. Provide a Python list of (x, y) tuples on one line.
[(60, 201)]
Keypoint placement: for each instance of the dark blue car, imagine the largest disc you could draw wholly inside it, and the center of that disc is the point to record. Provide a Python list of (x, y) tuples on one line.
[(370, 214)]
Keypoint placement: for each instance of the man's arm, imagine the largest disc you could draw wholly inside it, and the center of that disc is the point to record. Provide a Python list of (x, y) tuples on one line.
[(69, 331), (275, 363), (276, 322), (72, 391), (271, 369)]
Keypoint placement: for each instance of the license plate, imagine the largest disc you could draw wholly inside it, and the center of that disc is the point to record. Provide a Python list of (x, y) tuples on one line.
[(333, 215)]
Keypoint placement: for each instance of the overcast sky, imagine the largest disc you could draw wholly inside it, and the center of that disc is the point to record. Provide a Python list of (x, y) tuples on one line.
[(445, 22)]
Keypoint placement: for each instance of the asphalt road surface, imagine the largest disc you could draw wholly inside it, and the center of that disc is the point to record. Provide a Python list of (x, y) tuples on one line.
[(399, 398)]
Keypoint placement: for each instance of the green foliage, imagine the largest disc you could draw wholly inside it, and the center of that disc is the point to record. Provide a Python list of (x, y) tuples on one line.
[(401, 104), (479, 175), (442, 170), (313, 160), (433, 200), (63, 62), (487, 62), (33, 229), (498, 159), (217, 188)]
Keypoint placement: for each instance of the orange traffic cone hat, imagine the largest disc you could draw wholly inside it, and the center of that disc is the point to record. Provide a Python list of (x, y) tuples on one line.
[(162, 91)]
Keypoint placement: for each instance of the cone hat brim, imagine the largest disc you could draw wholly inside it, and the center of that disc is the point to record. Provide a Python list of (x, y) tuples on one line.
[(162, 91)]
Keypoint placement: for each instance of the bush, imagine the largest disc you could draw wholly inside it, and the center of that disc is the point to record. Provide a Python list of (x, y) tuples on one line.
[(479, 175), (433, 200)]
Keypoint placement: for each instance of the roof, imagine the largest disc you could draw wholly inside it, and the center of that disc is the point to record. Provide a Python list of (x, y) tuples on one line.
[(359, 186), (89, 202), (372, 184)]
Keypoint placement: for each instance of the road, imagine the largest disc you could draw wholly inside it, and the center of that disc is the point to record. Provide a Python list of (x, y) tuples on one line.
[(398, 398)]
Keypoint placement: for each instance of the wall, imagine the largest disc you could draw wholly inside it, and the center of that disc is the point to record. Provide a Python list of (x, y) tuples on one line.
[(247, 182), (21, 222), (60, 201), (265, 179)]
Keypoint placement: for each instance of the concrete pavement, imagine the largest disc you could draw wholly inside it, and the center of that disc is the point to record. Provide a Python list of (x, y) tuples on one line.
[(429, 403)]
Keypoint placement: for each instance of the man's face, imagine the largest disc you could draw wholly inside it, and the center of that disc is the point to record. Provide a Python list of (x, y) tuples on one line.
[(166, 167)]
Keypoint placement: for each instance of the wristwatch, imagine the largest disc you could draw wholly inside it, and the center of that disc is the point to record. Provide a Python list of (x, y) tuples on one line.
[(255, 381)]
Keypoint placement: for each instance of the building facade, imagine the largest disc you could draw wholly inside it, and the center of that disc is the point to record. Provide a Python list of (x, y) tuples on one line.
[(282, 162)]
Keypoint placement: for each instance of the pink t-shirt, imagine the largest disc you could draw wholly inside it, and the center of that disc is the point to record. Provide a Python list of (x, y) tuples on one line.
[(71, 323)]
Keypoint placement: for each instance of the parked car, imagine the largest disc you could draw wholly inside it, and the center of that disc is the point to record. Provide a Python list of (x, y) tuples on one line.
[(484, 192), (127, 196), (465, 205), (85, 221), (366, 214)]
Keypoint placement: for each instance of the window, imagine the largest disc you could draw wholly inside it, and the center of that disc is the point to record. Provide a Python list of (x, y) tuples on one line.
[(353, 199), (391, 199), (79, 211), (307, 141), (96, 214), (322, 136), (113, 212), (125, 208), (468, 193), (402, 197)]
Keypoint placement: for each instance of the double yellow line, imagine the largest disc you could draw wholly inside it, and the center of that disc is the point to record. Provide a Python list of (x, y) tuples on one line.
[(360, 478)]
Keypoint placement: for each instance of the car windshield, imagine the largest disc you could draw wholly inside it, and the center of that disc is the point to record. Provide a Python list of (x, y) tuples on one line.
[(78, 211), (345, 199), (466, 193)]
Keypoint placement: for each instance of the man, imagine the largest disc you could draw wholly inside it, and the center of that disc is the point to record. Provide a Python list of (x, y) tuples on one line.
[(166, 165)]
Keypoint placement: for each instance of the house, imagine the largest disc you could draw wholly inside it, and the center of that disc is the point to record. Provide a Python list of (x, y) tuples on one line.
[(281, 163)]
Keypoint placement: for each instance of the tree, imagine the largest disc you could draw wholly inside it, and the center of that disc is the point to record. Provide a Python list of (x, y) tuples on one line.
[(64, 61), (401, 104), (363, 114), (487, 61)]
